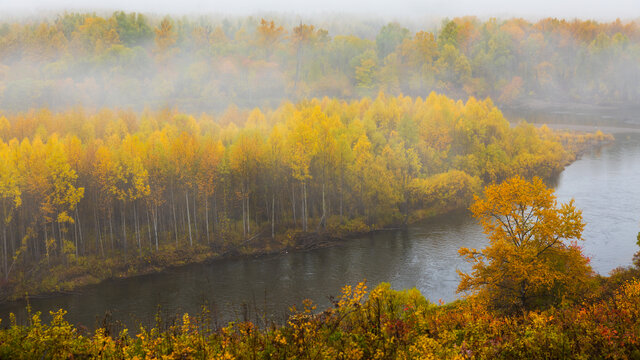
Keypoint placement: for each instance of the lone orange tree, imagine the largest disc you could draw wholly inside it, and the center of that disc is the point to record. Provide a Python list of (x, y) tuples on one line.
[(533, 259)]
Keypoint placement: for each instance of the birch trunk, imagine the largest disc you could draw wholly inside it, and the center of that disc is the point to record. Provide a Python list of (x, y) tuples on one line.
[(186, 196), (206, 217)]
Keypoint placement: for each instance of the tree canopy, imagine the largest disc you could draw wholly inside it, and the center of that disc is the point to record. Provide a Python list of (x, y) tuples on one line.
[(533, 259)]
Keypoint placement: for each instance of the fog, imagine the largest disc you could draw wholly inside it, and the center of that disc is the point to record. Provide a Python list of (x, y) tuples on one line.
[(594, 9), (136, 101), (63, 53)]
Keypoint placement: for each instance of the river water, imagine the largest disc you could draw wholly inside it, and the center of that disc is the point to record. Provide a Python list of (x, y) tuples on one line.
[(605, 184)]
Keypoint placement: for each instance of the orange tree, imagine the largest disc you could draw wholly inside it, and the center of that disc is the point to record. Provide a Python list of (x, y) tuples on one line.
[(533, 259)]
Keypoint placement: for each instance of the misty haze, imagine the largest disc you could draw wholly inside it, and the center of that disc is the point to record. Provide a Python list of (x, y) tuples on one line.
[(339, 180)]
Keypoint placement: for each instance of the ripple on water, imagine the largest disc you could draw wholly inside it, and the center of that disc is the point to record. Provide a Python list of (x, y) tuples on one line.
[(603, 183)]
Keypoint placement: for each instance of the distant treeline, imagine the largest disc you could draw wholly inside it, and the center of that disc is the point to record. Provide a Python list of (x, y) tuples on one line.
[(204, 64), (85, 192)]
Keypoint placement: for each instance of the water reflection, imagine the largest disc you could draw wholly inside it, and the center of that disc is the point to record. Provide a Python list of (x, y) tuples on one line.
[(603, 183), (423, 256)]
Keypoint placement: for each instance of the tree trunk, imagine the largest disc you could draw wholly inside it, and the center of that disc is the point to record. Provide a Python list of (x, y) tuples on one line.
[(98, 232), (206, 217), (80, 231), (273, 215), (324, 209), (155, 225), (175, 221), (305, 215), (244, 220), (75, 236), (124, 231), (4, 249), (149, 230), (186, 196), (293, 203), (195, 212), (215, 214), (137, 226), (110, 229), (46, 242), (341, 190), (61, 240), (406, 208)]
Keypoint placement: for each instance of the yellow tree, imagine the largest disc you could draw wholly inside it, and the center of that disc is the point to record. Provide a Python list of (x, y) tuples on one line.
[(5, 128), (165, 38), (184, 155), (405, 165), (31, 161), (325, 130), (94, 36), (10, 197), (125, 178), (133, 178), (75, 152), (376, 187), (363, 161), (103, 173), (212, 153), (268, 35), (301, 142), (533, 259), (156, 163), (275, 158), (302, 36), (245, 158), (49, 184), (162, 167), (62, 196), (418, 55)]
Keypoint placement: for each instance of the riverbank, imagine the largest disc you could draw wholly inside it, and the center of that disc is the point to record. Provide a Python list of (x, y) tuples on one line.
[(423, 255), (72, 277), (72, 274)]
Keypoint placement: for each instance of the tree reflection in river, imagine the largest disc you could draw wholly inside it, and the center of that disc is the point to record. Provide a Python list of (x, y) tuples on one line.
[(604, 184)]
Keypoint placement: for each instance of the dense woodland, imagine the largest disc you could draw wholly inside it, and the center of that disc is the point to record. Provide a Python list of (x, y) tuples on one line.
[(93, 195), (205, 63), (133, 143), (532, 295)]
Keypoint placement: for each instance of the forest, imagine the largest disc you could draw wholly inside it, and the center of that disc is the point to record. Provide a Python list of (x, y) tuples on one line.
[(94, 195), (559, 309), (129, 60), (135, 144)]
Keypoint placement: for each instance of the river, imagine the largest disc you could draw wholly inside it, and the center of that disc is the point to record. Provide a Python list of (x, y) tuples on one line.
[(605, 184)]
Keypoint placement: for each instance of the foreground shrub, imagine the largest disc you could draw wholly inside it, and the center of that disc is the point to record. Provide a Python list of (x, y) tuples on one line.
[(382, 324)]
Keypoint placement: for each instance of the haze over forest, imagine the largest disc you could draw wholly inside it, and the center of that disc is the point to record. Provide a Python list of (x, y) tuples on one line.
[(137, 138), (220, 130), (205, 63)]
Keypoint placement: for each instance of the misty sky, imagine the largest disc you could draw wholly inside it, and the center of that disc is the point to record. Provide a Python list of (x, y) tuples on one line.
[(595, 9)]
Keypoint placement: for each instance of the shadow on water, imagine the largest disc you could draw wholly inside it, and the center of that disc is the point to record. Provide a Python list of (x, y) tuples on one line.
[(262, 289)]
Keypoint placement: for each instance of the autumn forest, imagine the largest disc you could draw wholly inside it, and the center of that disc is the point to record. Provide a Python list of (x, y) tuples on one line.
[(112, 186), (199, 64), (132, 144)]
